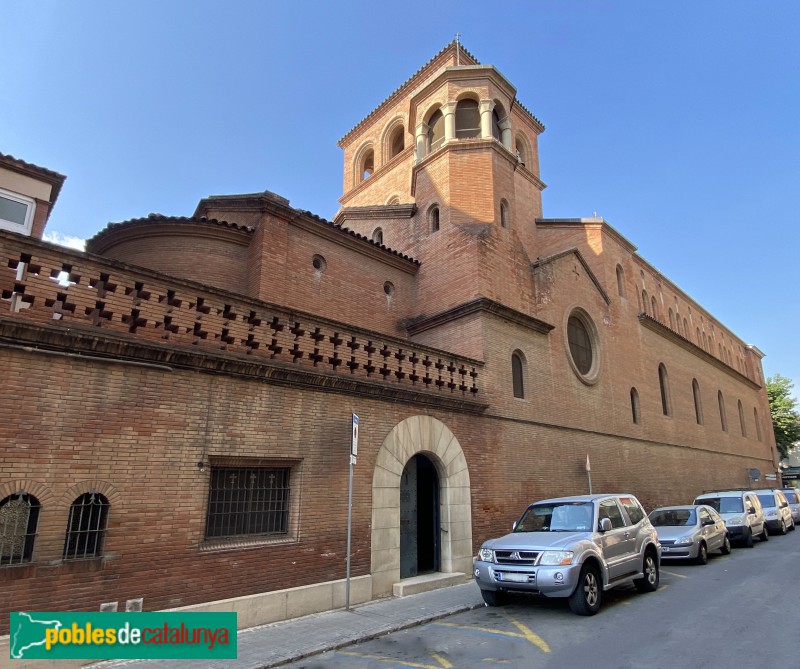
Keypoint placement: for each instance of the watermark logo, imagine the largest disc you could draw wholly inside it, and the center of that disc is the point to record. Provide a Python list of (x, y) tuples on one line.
[(133, 636)]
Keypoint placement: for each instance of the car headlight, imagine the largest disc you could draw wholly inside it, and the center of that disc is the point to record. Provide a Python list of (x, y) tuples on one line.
[(486, 555), (550, 558), (683, 541)]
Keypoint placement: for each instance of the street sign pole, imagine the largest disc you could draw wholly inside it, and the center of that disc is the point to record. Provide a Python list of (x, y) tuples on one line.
[(353, 454), (589, 472)]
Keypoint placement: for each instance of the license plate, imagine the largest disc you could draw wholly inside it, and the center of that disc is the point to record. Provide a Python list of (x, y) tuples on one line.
[(514, 577)]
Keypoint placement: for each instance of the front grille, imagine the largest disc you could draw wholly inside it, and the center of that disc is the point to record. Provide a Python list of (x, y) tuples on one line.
[(516, 557), (666, 542)]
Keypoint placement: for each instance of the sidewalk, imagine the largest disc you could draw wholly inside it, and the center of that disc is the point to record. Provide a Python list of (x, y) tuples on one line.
[(283, 642)]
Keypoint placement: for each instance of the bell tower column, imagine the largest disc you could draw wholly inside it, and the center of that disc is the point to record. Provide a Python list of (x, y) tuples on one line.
[(421, 136), (449, 112), (486, 107)]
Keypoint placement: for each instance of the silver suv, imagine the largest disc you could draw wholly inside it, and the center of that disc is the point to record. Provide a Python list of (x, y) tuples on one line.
[(573, 547), (741, 510)]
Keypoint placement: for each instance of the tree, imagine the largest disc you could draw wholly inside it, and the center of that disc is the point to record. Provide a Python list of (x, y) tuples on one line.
[(785, 417)]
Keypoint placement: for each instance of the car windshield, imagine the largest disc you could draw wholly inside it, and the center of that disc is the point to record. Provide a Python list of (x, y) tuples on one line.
[(791, 497), (673, 517), (725, 504), (557, 517), (767, 500)]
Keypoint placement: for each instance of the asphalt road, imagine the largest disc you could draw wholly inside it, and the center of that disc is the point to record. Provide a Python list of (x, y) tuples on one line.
[(736, 611)]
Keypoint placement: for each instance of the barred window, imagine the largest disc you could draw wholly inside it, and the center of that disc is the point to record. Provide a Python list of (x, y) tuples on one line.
[(86, 527), (248, 501), (19, 517)]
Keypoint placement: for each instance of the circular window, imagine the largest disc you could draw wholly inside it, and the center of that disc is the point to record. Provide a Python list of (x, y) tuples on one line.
[(319, 264), (388, 288), (582, 344)]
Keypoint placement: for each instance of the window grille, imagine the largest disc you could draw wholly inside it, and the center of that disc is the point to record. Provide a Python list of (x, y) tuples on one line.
[(19, 517), (86, 527), (580, 344), (248, 501), (517, 380)]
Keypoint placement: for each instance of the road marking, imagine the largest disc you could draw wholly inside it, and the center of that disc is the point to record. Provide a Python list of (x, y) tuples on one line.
[(443, 663), (524, 633), (672, 573)]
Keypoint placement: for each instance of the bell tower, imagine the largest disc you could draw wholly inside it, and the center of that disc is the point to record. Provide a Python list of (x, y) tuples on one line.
[(446, 170)]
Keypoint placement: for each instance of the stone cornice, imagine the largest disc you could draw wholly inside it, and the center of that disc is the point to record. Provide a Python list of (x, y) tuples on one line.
[(375, 212), (480, 305), (98, 348), (659, 328)]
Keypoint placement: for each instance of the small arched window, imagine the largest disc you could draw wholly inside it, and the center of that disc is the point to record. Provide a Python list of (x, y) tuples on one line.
[(377, 235), (620, 281), (655, 309), (518, 374), (698, 404), (671, 320), (742, 424), (19, 518), (521, 150), (86, 527), (435, 131), (635, 411), (686, 332), (468, 119), (397, 141), (433, 219), (367, 164), (663, 382), (645, 301), (504, 213), (723, 419)]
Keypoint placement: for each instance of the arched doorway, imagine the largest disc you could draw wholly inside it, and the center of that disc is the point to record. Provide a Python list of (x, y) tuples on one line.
[(419, 518), (427, 436)]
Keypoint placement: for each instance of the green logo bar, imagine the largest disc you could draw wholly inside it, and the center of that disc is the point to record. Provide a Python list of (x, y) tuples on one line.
[(133, 636)]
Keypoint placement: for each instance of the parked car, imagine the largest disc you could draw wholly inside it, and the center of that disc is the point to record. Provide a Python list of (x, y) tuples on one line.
[(777, 511), (792, 496), (741, 510), (573, 547), (690, 532)]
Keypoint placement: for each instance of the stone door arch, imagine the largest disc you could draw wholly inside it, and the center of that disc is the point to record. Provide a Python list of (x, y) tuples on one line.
[(431, 437)]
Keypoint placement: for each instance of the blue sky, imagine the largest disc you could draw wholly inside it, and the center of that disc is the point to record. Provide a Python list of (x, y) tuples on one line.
[(676, 121)]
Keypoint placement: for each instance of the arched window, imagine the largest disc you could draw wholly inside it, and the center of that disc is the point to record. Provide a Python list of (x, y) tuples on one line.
[(504, 219), (723, 419), (397, 141), (582, 342), (433, 219), (19, 518), (645, 301), (671, 320), (635, 411), (518, 374), (655, 309), (435, 131), (758, 425), (367, 164), (393, 200), (663, 382), (742, 425), (698, 404), (497, 132), (521, 149), (377, 235), (86, 527), (620, 281), (468, 119), (686, 332)]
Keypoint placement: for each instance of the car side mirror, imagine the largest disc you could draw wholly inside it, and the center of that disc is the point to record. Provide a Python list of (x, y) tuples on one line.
[(514, 526), (605, 525)]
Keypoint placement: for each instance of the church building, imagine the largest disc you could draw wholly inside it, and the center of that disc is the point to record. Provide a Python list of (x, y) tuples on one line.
[(179, 399)]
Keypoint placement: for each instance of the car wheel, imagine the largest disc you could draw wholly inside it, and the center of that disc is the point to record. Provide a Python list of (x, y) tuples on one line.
[(726, 546), (783, 526), (791, 527), (493, 597), (648, 582), (764, 536), (702, 554), (587, 596), (748, 540)]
